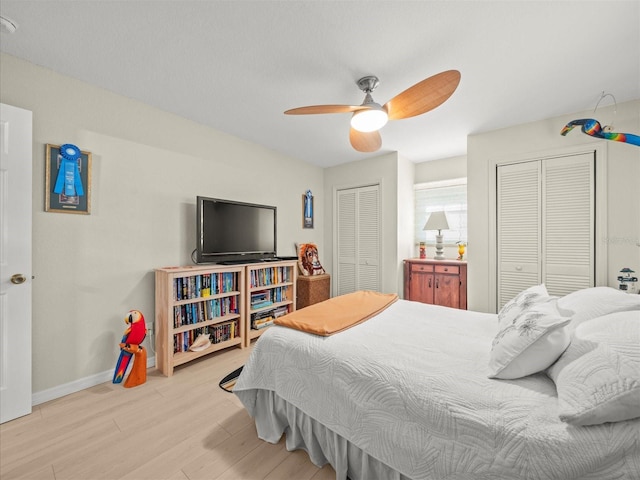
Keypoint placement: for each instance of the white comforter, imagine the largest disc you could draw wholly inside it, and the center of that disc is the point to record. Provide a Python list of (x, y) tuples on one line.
[(410, 388)]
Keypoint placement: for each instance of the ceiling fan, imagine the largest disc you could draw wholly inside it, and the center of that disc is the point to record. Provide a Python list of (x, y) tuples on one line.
[(369, 117)]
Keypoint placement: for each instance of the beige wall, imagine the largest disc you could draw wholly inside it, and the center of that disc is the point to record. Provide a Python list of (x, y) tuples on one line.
[(148, 167), (394, 175), (438, 170), (622, 240), (406, 217)]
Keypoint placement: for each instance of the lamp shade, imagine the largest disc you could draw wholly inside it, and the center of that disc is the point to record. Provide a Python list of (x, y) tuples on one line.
[(437, 221)]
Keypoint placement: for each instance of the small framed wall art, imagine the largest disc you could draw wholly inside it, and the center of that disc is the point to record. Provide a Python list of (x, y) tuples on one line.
[(67, 179), (307, 210)]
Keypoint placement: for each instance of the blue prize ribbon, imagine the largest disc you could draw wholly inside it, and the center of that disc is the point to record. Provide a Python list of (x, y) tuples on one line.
[(307, 204), (68, 178)]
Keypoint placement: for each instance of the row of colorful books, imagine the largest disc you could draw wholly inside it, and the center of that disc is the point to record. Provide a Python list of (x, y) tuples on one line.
[(217, 334), (264, 298), (270, 276), (203, 311), (205, 285), (261, 298), (265, 318)]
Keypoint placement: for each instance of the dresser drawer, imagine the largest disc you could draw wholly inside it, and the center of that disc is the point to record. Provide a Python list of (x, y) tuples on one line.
[(451, 269), (419, 267), (436, 282)]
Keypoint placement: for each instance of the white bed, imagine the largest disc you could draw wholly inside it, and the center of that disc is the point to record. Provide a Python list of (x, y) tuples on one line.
[(406, 394)]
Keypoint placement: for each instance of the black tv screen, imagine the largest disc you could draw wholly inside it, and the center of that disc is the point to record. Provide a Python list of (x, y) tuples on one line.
[(234, 231)]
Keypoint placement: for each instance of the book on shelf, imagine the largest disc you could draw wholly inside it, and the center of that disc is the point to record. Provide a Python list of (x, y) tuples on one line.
[(269, 276), (265, 318), (280, 311), (256, 306), (260, 299), (261, 320), (217, 333), (259, 325), (202, 311), (205, 285)]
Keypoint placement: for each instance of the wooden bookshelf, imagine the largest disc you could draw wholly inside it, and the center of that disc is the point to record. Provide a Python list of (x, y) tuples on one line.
[(216, 300), (277, 282), (197, 300)]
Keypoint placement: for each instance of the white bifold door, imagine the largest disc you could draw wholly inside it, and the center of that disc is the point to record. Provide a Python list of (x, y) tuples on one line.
[(546, 225), (357, 240)]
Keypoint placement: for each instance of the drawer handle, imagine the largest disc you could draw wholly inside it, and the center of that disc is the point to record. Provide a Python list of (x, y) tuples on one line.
[(519, 268), (446, 269), (429, 283)]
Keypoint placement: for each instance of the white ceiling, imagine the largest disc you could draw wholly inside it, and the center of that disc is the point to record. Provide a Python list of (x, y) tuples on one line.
[(237, 65)]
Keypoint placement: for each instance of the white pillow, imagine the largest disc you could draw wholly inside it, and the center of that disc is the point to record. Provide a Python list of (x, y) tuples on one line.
[(530, 343), (598, 377), (514, 307), (590, 303)]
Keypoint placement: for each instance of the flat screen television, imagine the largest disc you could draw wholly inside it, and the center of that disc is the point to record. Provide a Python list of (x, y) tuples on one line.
[(230, 231)]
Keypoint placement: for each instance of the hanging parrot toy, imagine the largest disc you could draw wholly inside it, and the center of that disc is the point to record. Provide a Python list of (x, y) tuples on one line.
[(593, 128), (131, 346)]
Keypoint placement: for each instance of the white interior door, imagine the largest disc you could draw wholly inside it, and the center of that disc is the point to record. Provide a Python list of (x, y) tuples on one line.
[(357, 246), (15, 262), (519, 216), (568, 223)]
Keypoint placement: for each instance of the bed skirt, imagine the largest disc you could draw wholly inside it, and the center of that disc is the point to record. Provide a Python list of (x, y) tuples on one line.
[(275, 416)]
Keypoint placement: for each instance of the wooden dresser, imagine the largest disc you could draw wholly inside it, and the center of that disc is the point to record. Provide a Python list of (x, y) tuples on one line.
[(439, 282)]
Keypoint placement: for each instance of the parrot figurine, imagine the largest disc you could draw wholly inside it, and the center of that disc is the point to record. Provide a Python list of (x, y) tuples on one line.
[(133, 336), (592, 127)]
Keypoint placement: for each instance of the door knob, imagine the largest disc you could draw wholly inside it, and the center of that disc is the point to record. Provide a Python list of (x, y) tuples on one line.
[(18, 278)]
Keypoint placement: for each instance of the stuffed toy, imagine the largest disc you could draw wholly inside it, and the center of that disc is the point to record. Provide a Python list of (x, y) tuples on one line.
[(131, 346), (308, 260)]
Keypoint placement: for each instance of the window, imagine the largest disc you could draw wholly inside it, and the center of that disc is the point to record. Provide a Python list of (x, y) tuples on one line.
[(450, 196)]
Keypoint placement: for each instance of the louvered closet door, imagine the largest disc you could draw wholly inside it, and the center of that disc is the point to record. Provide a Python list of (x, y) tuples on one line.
[(546, 225), (519, 230), (568, 225), (358, 240), (345, 279)]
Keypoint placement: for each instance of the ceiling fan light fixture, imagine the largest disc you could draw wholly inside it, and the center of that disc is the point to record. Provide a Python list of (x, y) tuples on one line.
[(369, 120), (369, 117)]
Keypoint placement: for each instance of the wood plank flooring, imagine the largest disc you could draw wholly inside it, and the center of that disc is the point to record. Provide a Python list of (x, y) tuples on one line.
[(179, 428)]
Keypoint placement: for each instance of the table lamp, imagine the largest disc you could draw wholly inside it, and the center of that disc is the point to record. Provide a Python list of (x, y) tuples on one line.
[(437, 221)]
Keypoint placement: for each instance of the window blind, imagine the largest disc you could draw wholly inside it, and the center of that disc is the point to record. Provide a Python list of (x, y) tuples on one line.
[(450, 197)]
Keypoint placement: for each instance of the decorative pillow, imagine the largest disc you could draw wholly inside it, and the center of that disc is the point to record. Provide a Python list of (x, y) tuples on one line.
[(532, 341), (521, 302), (598, 377), (590, 303), (308, 260)]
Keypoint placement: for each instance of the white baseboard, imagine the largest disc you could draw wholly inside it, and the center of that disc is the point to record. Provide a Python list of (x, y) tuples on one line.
[(87, 382)]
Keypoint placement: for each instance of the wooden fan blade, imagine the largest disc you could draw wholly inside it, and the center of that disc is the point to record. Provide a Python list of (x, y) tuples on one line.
[(314, 109), (423, 96), (365, 141)]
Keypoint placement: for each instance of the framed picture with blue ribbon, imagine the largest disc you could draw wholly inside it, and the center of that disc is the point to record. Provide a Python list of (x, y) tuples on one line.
[(68, 179)]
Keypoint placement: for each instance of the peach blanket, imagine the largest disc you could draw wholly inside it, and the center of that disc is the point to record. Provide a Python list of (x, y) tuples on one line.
[(338, 313)]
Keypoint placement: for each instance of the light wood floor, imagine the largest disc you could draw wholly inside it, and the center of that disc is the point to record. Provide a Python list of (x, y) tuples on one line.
[(179, 428)]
